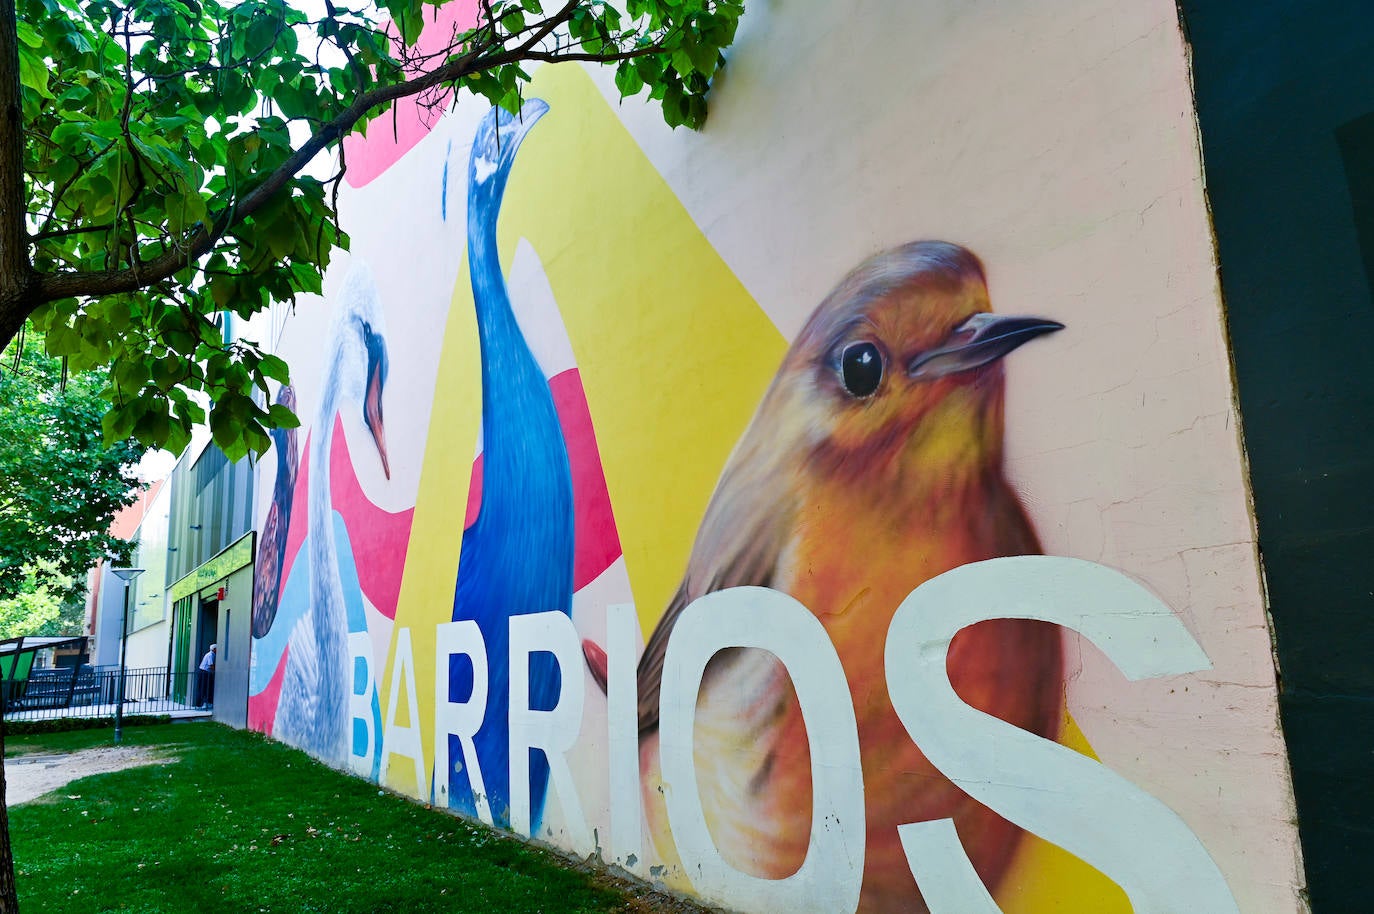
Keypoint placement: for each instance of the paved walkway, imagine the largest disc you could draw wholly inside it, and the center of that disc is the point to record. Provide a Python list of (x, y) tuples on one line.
[(28, 777)]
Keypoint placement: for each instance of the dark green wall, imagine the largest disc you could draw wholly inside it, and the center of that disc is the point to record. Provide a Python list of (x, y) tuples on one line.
[(1285, 97)]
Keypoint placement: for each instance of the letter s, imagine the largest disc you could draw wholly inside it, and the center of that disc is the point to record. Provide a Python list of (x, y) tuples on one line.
[(1047, 789)]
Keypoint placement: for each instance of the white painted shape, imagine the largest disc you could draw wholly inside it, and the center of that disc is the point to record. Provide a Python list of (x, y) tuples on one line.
[(588, 759), (344, 380), (379, 629), (1047, 789), (462, 719), (622, 714), (396, 739), (830, 877), (948, 882), (554, 731), (536, 311), (482, 168), (360, 703)]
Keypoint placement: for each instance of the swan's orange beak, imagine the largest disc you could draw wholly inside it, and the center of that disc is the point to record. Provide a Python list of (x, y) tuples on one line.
[(372, 413)]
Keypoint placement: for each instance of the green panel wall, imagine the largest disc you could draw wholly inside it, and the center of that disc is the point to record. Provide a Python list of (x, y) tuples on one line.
[(181, 647), (1285, 96)]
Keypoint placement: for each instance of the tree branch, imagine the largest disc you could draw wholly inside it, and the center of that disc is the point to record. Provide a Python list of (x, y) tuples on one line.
[(563, 56), (547, 28), (63, 233)]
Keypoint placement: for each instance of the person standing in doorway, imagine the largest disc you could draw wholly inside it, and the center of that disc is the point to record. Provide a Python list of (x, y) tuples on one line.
[(205, 681)]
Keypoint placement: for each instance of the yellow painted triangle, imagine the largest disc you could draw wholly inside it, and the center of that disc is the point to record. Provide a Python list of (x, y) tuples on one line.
[(674, 353), (436, 534)]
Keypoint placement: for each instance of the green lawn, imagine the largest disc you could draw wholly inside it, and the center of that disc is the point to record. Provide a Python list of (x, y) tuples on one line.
[(241, 823)]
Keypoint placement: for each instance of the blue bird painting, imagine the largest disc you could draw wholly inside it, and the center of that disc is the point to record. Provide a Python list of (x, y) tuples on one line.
[(517, 557)]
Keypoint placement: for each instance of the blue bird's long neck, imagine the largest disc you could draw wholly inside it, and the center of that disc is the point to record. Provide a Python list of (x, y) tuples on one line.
[(525, 462), (517, 557)]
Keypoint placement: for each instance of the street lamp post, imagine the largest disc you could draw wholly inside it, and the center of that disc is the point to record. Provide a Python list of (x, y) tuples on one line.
[(126, 575)]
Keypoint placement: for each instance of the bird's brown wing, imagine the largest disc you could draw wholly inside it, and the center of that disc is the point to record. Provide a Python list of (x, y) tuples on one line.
[(747, 525)]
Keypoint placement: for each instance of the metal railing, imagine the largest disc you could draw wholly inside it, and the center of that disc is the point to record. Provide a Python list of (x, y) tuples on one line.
[(92, 692)]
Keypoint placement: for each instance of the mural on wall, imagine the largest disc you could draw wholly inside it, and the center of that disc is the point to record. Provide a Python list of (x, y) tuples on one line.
[(749, 601)]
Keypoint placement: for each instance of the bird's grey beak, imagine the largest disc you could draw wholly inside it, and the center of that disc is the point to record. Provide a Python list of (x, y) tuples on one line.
[(981, 339), (372, 413)]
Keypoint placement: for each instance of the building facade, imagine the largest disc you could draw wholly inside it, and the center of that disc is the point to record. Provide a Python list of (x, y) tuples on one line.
[(195, 544)]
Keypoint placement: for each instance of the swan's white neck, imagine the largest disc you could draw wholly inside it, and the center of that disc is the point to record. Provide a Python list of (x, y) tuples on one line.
[(321, 497)]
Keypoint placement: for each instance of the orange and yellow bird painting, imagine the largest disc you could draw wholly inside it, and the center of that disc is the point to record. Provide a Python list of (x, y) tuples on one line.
[(874, 462)]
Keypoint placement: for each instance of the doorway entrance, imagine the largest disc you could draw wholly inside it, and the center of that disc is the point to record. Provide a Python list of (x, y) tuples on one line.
[(207, 632)]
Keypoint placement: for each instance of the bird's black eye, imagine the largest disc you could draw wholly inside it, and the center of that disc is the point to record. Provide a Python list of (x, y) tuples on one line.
[(861, 368)]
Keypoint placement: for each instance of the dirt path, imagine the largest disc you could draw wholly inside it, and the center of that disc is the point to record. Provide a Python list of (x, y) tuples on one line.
[(28, 777)]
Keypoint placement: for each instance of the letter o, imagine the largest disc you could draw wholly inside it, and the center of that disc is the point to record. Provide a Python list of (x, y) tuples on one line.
[(831, 876)]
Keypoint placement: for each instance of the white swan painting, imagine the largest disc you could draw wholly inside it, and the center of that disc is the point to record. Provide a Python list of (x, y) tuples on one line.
[(313, 712)]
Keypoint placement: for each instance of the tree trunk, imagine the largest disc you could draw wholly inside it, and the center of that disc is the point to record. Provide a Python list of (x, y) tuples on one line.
[(17, 278), (9, 894)]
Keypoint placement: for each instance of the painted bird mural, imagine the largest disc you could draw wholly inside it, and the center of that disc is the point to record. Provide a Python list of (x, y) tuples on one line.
[(313, 710), (874, 463), (272, 540), (517, 556)]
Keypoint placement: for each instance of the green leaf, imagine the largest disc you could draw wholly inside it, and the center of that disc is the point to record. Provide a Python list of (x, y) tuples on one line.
[(628, 80), (275, 368), (33, 74), (406, 15), (282, 417), (29, 35), (703, 57)]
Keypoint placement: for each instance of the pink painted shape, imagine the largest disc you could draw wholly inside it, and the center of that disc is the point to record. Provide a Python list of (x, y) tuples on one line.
[(596, 540), (395, 133), (262, 707), (379, 537), (474, 494)]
